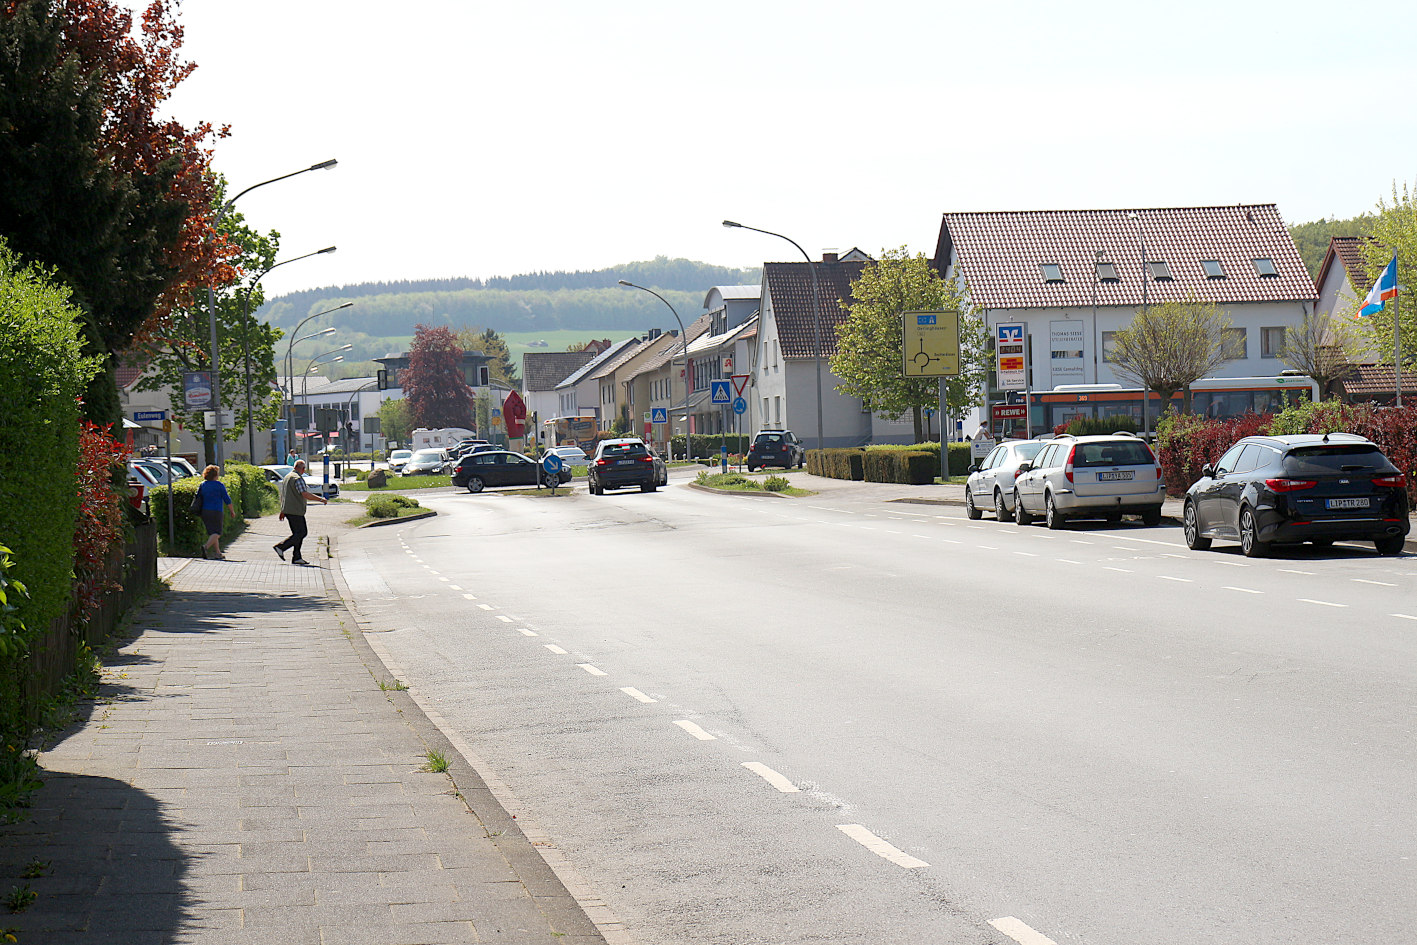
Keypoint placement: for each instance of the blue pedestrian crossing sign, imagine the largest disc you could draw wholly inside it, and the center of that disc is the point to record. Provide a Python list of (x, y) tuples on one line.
[(722, 392), (659, 415)]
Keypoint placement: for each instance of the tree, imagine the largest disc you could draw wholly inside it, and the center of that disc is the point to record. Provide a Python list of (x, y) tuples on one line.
[(183, 344), (869, 341), (1170, 346), (438, 394), (91, 181), (1394, 231), (1323, 346), (396, 420), (501, 369), (1311, 239)]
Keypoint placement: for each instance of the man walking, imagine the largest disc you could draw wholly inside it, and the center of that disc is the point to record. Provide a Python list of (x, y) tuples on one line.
[(293, 496)]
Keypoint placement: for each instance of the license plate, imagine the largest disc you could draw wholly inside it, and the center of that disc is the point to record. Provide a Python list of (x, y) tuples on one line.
[(1115, 476), (1347, 503), (624, 462)]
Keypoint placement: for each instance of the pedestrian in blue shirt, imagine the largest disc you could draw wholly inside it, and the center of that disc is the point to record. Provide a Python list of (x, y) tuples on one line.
[(216, 502)]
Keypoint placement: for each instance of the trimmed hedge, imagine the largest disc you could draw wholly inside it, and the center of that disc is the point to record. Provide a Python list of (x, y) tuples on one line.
[(252, 495), (387, 506), (707, 445)]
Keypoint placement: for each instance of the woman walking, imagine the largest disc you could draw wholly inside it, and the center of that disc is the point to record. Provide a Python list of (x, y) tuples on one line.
[(216, 502)]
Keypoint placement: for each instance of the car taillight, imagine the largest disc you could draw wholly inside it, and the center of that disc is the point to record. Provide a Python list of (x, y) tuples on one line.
[(646, 459), (602, 462), (1399, 480), (1068, 466), (1289, 485)]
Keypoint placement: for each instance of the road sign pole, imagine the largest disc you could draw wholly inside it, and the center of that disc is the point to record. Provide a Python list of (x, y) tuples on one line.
[(171, 534)]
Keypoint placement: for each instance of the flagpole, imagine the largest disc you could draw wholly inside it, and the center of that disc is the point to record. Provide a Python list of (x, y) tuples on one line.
[(1397, 330)]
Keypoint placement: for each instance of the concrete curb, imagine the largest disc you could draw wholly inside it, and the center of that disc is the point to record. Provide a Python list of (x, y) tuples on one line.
[(426, 513), (755, 494)]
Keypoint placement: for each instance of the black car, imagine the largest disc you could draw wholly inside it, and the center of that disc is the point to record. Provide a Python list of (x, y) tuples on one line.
[(621, 463), (476, 471), (776, 448), (1317, 488)]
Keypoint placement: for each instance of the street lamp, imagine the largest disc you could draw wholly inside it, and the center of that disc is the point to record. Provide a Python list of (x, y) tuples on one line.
[(816, 316), (687, 373), (211, 300), (289, 365), (1145, 278), (245, 352)]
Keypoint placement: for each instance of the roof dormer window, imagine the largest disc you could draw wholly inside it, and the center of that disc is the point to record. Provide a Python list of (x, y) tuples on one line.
[(1213, 269), (1265, 267), (1052, 272), (1160, 272), (1107, 272)]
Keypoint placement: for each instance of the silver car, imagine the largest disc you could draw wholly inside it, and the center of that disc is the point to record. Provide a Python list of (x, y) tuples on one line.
[(429, 462), (1090, 477), (991, 482)]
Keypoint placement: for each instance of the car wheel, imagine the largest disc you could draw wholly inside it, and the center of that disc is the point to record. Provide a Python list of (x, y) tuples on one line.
[(1021, 515), (1151, 517), (752, 468), (1113, 517), (1001, 511), (474, 485), (1191, 522), (1323, 542), (1051, 516), (1390, 545), (595, 488), (648, 487), (1250, 542), (971, 511)]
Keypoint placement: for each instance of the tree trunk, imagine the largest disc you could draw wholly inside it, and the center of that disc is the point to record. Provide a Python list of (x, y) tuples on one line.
[(919, 425)]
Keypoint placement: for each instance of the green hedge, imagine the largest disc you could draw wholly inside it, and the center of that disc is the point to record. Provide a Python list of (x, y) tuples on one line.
[(708, 445), (252, 495), (387, 506)]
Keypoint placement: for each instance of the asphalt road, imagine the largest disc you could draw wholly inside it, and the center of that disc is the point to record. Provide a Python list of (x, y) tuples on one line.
[(837, 719)]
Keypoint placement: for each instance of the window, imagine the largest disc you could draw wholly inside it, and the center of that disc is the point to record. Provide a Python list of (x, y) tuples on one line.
[(1236, 344), (1265, 267), (1160, 272), (1052, 272), (777, 411), (1109, 345), (1271, 342), (1228, 461), (482, 379), (1213, 269), (1107, 272)]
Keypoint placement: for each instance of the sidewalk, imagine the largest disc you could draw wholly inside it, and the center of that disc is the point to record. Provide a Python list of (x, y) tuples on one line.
[(244, 779)]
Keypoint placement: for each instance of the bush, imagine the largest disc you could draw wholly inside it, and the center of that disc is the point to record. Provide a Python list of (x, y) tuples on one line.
[(837, 463), (776, 484), (708, 445), (387, 506), (1099, 426), (911, 467)]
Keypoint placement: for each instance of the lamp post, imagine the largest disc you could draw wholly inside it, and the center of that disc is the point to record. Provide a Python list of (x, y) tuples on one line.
[(310, 368), (687, 379), (1145, 278), (245, 352), (289, 366), (211, 300), (1096, 338), (816, 316)]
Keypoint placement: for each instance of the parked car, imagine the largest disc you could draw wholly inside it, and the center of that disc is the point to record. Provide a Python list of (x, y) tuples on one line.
[(776, 448), (462, 447), (1317, 488), (623, 462), (142, 480), (476, 471), (1090, 477), (570, 455), (161, 470), (991, 482), (316, 484), (429, 462), (397, 459)]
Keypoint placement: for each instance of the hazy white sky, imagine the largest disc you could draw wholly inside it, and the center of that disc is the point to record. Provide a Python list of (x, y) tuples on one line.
[(480, 138)]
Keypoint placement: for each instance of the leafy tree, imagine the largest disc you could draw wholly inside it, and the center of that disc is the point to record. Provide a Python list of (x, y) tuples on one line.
[(1170, 346), (438, 394), (501, 368), (183, 344), (1395, 231), (396, 420), (91, 181), (1311, 239), (1323, 346), (869, 341)]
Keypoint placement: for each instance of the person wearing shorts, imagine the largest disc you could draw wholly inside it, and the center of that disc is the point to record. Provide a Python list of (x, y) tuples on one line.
[(216, 503)]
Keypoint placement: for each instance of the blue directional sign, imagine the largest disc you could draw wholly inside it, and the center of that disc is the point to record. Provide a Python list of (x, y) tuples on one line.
[(551, 463), (722, 392), (150, 415), (659, 415), (740, 405)]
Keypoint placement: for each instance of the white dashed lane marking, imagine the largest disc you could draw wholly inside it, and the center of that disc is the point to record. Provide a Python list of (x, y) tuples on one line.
[(880, 847), (772, 777), (1110, 568), (1378, 583), (594, 671), (634, 693), (1242, 590), (469, 597), (554, 649), (1020, 932), (485, 606), (1321, 603), (694, 730), (1167, 577), (504, 618), (1292, 571), (526, 633), (1404, 616)]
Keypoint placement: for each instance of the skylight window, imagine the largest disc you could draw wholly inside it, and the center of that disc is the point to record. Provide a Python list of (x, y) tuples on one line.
[(1107, 272), (1052, 272), (1160, 272), (1213, 269), (1265, 267)]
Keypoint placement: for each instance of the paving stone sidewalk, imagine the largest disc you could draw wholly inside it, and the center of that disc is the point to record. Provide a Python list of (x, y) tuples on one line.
[(244, 779)]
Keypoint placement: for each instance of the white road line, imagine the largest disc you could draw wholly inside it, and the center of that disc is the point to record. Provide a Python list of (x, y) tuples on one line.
[(1171, 555), (1403, 616), (1321, 603), (469, 597), (1292, 571), (950, 541), (594, 671), (1233, 564), (1147, 541), (485, 606), (634, 693), (1026, 554), (695, 731), (987, 547), (888, 532), (1019, 932), (880, 847), (1110, 568), (554, 649), (1068, 561), (1378, 583), (771, 777), (454, 587), (1167, 577), (526, 633), (1242, 590), (505, 619), (1079, 541)]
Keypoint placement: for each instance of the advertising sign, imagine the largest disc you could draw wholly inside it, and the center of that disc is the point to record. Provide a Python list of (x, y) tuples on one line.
[(930, 344), (1010, 352), (1065, 351), (197, 390), (1008, 412)]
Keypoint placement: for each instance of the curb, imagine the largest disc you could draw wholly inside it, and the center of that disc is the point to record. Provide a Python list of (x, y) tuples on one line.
[(426, 513), (757, 494)]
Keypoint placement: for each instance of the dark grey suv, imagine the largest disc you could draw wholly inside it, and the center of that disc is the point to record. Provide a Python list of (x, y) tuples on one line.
[(621, 463)]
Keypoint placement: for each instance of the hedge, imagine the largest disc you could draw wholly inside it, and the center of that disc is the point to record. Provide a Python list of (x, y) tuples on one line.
[(252, 495), (707, 445)]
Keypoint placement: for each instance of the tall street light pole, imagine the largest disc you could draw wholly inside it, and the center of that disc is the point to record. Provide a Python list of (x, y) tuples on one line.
[(290, 367), (211, 301), (816, 315), (687, 379), (245, 349), (1145, 278)]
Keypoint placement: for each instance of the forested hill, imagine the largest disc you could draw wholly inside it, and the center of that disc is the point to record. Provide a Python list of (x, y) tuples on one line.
[(542, 301)]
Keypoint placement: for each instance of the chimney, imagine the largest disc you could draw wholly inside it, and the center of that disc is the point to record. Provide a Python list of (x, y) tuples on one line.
[(653, 334), (829, 258)]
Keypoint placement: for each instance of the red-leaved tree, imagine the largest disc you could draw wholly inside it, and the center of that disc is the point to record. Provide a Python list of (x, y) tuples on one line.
[(438, 394), (98, 530)]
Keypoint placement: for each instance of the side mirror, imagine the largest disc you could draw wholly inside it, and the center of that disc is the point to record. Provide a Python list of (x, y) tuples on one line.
[(1208, 470), (1024, 467), (973, 467)]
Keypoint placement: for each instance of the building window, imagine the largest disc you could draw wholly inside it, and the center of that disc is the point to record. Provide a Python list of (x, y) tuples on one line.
[(1213, 269), (1109, 345), (1052, 272), (1265, 267), (482, 378), (777, 412), (1160, 272), (1236, 343), (1107, 272), (1271, 342)]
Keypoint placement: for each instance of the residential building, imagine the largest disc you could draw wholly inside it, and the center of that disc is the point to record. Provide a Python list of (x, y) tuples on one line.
[(578, 395), (1343, 276), (541, 372), (659, 384)]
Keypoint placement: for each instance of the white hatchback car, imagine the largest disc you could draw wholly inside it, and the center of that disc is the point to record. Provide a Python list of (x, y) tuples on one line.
[(991, 482), (1090, 477)]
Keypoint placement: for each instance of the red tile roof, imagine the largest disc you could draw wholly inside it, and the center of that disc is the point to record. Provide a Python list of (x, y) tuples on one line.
[(1347, 251), (128, 367), (1000, 254), (1367, 381), (790, 288)]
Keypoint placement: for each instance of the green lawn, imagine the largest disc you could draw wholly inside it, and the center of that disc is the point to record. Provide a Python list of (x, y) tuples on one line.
[(400, 484)]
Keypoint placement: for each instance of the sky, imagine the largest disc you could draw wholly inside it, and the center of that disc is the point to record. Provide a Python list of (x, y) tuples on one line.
[(480, 139)]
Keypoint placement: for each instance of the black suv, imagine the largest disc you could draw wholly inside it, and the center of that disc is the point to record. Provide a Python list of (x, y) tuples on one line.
[(1309, 487), (620, 463), (776, 448)]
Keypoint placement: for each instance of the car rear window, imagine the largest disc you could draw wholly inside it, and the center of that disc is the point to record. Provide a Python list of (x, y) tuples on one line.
[(1028, 450), (623, 449), (1322, 460), (1115, 453), (769, 438)]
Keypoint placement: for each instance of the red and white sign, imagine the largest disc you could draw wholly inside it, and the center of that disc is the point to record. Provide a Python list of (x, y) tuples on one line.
[(740, 383), (1009, 412)]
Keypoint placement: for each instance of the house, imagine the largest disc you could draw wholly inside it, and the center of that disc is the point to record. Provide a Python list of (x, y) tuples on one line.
[(352, 399), (722, 352), (658, 384), (1077, 277), (578, 395), (624, 389), (541, 372), (1343, 276)]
